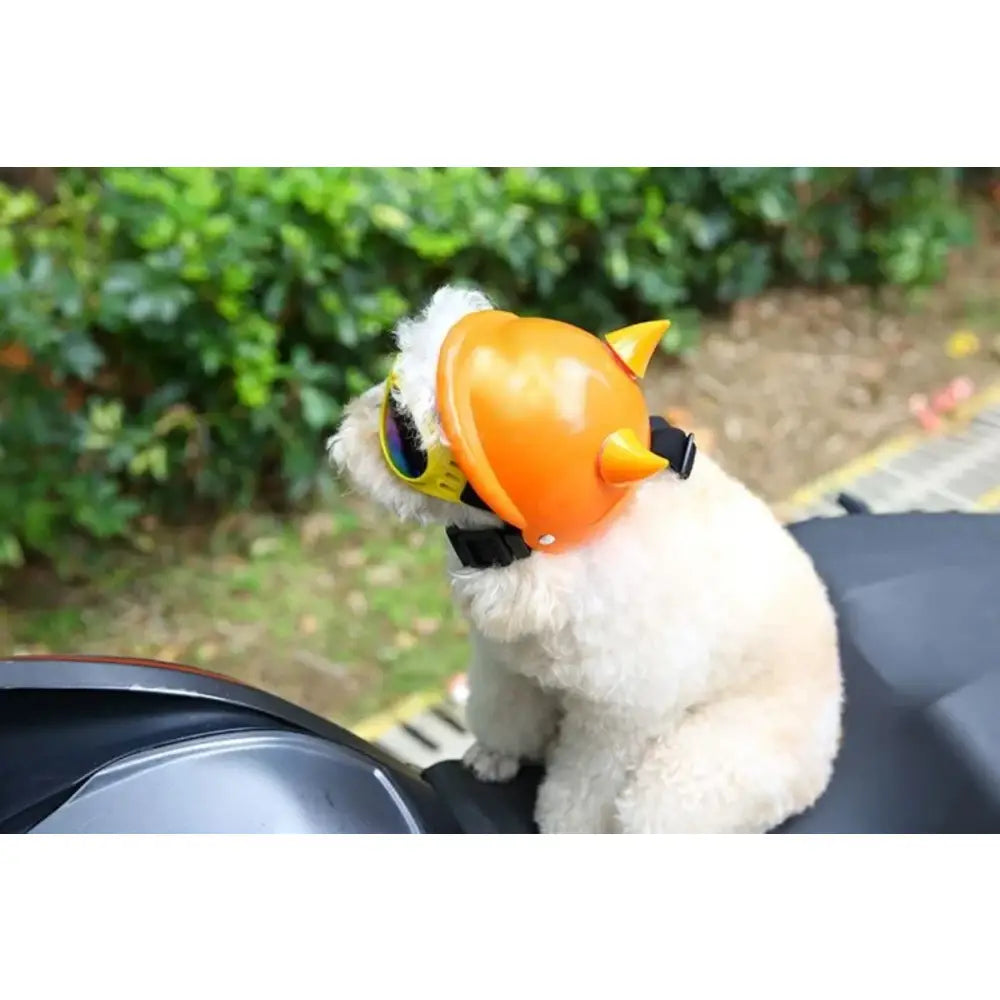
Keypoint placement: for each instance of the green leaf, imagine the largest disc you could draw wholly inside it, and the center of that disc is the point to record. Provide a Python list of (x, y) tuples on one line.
[(37, 518), (107, 416), (11, 553), (16, 206), (316, 408), (81, 356), (142, 308), (391, 218)]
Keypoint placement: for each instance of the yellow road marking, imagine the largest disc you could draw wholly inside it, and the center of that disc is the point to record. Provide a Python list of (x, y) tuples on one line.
[(976, 404), (894, 447), (377, 725), (989, 500), (854, 469)]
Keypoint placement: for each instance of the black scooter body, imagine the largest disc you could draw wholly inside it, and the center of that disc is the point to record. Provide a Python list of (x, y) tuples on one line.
[(115, 746)]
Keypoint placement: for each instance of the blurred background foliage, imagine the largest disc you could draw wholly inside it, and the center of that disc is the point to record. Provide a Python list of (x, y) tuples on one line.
[(180, 341)]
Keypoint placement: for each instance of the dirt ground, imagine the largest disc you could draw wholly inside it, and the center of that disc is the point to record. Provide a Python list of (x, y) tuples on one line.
[(795, 383)]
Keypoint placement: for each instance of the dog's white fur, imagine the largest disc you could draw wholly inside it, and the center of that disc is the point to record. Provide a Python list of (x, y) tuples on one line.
[(679, 673)]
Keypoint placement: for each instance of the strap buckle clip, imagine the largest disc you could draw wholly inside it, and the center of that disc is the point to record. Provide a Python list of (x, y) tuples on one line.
[(487, 548)]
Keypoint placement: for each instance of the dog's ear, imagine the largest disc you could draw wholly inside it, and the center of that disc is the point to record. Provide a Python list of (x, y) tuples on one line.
[(423, 332)]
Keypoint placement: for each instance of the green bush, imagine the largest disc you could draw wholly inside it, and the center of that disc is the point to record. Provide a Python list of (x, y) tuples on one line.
[(179, 339)]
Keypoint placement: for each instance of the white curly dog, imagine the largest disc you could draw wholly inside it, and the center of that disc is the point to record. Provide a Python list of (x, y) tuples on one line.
[(679, 674)]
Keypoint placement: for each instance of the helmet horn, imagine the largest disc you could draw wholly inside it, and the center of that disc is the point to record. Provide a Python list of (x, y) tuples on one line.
[(634, 345), (624, 460)]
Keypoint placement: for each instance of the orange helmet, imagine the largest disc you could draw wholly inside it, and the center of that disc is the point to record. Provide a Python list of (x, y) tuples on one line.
[(547, 421)]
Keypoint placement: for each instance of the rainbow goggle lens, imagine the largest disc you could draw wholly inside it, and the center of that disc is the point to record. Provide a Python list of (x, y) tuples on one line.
[(433, 472)]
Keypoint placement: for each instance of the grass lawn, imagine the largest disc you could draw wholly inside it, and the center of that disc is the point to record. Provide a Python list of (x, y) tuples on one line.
[(339, 611)]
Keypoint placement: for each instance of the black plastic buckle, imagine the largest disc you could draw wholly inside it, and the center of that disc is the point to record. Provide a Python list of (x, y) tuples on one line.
[(487, 548), (673, 444), (687, 458)]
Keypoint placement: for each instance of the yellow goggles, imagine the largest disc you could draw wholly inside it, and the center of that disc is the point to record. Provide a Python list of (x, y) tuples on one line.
[(433, 472)]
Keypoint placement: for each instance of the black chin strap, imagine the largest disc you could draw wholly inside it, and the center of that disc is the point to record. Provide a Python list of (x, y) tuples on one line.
[(488, 548), (491, 548), (673, 444)]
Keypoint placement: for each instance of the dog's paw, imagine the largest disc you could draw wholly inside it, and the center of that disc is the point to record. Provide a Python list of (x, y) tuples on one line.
[(491, 765)]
